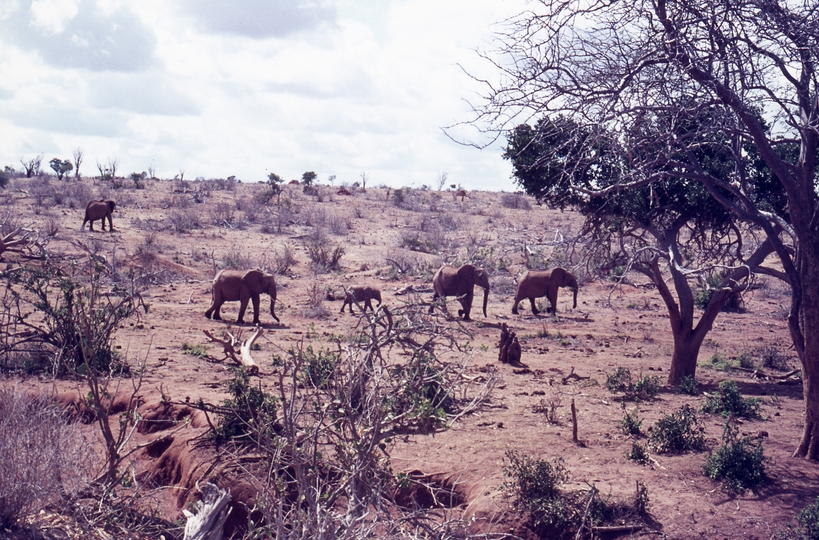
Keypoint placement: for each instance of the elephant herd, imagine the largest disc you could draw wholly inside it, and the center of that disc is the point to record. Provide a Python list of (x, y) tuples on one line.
[(247, 286)]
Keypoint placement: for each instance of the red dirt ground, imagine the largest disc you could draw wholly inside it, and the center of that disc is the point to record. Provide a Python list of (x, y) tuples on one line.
[(611, 327)]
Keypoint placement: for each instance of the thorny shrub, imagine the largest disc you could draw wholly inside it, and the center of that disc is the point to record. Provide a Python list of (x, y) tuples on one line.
[(78, 315)]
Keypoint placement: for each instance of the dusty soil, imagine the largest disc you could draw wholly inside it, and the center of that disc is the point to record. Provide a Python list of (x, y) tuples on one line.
[(612, 327)]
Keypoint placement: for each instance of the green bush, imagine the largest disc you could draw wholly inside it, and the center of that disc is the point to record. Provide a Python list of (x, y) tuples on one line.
[(536, 485), (646, 386), (689, 386), (728, 401), (808, 519), (678, 432), (739, 464), (318, 367), (638, 453), (249, 414), (619, 381), (630, 423)]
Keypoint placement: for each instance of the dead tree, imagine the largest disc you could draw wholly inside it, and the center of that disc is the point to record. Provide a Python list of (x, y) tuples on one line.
[(509, 347), (243, 358), (211, 513)]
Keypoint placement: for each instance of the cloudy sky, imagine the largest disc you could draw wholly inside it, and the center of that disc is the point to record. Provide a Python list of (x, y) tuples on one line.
[(246, 87)]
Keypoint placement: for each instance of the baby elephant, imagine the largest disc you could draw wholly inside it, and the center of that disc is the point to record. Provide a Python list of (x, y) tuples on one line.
[(98, 210), (361, 294)]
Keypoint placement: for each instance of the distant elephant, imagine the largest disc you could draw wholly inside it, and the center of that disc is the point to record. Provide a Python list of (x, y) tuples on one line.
[(99, 210), (242, 285), (361, 294), (460, 282), (536, 283)]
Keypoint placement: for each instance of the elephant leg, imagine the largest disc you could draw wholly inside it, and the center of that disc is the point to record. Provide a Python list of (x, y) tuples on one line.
[(91, 225), (515, 306), (256, 301), (242, 309), (368, 304), (216, 309), (110, 223), (534, 308), (466, 304)]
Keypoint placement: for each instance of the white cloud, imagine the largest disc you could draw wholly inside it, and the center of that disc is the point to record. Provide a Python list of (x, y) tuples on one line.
[(52, 15), (222, 88)]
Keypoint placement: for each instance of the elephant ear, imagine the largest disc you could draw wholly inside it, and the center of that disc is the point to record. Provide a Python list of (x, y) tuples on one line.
[(468, 273), (253, 278)]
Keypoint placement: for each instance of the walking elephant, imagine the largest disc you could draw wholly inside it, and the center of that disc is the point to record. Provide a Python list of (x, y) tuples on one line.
[(361, 294), (536, 283), (242, 285), (99, 210), (460, 282)]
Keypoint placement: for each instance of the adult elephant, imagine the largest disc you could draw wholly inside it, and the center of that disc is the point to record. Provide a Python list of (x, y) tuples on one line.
[(460, 282), (99, 210), (242, 285), (536, 283)]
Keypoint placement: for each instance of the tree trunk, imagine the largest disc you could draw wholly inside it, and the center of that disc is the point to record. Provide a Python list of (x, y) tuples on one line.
[(804, 326)]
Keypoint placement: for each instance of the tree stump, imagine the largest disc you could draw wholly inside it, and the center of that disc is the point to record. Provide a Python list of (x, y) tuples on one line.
[(509, 347)]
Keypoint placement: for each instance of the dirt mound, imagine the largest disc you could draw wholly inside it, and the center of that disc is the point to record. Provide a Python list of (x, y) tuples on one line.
[(419, 490), (158, 417)]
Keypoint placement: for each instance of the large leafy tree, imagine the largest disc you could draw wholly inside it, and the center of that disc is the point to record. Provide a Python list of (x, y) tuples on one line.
[(671, 228), (613, 64)]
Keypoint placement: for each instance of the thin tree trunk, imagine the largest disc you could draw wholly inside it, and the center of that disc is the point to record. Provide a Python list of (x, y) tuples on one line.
[(804, 325)]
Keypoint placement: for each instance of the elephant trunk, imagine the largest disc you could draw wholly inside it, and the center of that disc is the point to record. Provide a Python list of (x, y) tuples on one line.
[(575, 297), (485, 300)]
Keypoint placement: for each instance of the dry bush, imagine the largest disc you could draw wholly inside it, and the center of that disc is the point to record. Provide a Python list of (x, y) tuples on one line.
[(223, 214), (316, 294), (324, 254), (237, 258), (285, 258), (503, 285), (338, 225), (516, 201), (77, 195), (43, 456), (317, 217), (183, 221)]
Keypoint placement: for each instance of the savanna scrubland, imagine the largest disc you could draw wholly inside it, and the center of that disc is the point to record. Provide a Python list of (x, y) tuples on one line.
[(396, 423)]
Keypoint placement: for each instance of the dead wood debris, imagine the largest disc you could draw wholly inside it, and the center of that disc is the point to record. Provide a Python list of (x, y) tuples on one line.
[(243, 358)]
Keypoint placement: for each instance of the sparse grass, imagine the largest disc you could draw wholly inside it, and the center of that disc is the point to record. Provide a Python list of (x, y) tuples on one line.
[(194, 350)]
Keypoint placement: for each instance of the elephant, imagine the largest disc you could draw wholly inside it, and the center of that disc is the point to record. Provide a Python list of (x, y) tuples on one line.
[(460, 282), (537, 283), (361, 294), (99, 210), (242, 285)]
